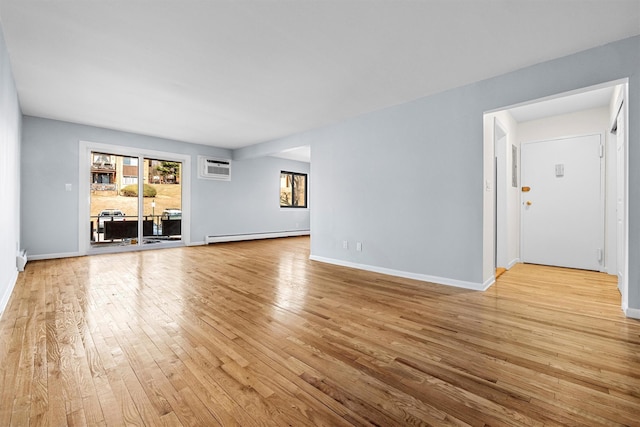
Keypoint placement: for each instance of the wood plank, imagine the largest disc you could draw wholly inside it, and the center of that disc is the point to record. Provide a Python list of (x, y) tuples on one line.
[(256, 334)]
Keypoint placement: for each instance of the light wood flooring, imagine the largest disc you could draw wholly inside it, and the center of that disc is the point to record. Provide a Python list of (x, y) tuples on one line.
[(253, 333)]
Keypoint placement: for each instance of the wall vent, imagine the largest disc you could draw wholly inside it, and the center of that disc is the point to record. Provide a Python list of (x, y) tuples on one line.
[(214, 168)]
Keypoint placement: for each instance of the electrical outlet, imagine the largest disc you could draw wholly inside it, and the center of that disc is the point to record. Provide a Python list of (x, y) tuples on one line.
[(359, 246), (345, 244)]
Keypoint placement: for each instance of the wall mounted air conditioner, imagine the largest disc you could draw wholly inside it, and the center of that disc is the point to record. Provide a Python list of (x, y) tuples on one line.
[(214, 168)]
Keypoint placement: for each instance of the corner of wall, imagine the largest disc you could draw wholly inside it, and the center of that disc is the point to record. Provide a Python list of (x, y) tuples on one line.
[(8, 291)]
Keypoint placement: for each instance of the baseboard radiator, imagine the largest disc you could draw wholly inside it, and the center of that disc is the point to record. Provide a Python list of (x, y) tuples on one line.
[(254, 236)]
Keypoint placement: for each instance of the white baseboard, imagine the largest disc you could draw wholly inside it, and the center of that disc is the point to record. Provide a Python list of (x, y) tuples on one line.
[(408, 275), (54, 256), (7, 294), (487, 284), (255, 236), (633, 313), (196, 243), (512, 263)]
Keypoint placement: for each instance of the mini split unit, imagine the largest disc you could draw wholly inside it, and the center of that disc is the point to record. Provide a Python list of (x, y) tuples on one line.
[(214, 168)]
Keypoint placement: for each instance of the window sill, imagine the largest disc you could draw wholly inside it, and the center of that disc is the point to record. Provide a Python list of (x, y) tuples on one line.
[(291, 208)]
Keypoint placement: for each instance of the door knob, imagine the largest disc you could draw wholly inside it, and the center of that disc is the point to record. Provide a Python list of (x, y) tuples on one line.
[(529, 203)]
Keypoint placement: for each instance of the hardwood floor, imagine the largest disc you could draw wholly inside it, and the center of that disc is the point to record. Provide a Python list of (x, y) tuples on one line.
[(253, 333)]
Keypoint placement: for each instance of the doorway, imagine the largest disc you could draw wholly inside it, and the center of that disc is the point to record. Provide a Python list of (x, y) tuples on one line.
[(556, 107)]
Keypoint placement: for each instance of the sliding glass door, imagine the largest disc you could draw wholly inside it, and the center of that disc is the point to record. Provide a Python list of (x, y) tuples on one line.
[(135, 200)]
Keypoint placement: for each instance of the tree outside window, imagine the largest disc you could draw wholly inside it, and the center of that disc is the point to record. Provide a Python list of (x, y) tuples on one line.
[(293, 190)]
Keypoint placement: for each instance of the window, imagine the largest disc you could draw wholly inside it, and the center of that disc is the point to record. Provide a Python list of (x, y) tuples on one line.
[(293, 190), (128, 180), (130, 161)]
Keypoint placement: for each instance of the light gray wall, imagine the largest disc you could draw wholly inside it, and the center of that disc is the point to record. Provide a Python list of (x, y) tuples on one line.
[(50, 150), (10, 118), (408, 181), (250, 203), (403, 181)]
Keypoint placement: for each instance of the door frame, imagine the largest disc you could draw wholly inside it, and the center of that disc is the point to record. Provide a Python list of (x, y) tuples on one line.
[(84, 197), (602, 223), (500, 194), (622, 107)]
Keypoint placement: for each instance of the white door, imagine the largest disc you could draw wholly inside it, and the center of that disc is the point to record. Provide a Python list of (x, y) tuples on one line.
[(563, 212)]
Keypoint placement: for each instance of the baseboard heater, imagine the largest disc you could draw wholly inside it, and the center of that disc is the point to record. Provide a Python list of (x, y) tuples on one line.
[(254, 236)]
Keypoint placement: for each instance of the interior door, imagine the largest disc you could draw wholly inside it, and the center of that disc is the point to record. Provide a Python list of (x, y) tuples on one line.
[(563, 210)]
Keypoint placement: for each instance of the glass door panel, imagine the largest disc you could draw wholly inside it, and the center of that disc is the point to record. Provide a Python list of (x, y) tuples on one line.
[(162, 214), (114, 200)]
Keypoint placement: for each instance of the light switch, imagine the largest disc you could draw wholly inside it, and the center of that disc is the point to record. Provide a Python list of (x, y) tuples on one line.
[(559, 170), (67, 187)]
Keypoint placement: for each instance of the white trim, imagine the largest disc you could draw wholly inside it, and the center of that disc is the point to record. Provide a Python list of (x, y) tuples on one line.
[(487, 284), (603, 201), (499, 212), (200, 243), (566, 136), (84, 198), (624, 298), (633, 313), (616, 110), (512, 263), (408, 275), (110, 250), (54, 256), (135, 248), (256, 236), (561, 95), (7, 295)]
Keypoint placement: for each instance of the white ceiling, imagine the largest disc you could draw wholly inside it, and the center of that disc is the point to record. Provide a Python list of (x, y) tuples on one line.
[(232, 73), (300, 154), (595, 98)]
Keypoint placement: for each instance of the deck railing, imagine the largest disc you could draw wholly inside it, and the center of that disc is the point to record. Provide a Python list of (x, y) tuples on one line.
[(105, 229)]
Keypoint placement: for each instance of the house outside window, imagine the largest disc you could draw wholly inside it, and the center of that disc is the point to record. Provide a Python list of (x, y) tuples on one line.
[(293, 190), (103, 172), (130, 161)]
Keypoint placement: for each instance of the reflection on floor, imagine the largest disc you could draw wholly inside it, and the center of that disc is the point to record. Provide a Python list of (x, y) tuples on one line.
[(256, 334)]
